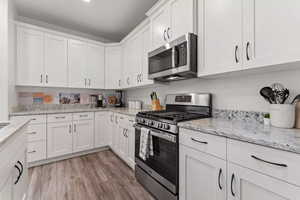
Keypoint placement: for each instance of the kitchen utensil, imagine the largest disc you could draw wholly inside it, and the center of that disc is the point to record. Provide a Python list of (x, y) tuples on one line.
[(296, 99), (278, 90), (282, 115), (283, 96), (268, 94)]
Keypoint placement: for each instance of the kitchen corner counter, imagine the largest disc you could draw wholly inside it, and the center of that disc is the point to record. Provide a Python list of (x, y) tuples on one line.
[(13, 127), (125, 111), (256, 133)]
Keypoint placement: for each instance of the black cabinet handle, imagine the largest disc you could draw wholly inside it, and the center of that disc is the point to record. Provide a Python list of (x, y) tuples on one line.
[(219, 179), (247, 50), (231, 185), (236, 57), (19, 170), (268, 162), (198, 141)]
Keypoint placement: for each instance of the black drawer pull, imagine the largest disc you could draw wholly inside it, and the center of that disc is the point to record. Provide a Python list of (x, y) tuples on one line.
[(30, 152), (268, 162), (247, 51), (198, 141), (231, 185), (60, 117), (236, 52), (219, 179)]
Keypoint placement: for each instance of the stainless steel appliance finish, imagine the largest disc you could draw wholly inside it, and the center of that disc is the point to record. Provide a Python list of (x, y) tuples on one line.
[(159, 173), (176, 60)]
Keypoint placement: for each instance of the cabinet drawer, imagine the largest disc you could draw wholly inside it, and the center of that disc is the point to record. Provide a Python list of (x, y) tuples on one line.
[(83, 116), (35, 119), (59, 118), (275, 163), (36, 132), (206, 143), (36, 151)]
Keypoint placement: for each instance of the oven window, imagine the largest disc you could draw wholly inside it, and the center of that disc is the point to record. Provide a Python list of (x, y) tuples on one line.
[(165, 159), (160, 62)]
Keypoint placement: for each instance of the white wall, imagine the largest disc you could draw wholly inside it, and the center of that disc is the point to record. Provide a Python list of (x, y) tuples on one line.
[(238, 92)]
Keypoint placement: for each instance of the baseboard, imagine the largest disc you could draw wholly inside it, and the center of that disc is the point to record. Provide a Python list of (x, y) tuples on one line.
[(64, 157)]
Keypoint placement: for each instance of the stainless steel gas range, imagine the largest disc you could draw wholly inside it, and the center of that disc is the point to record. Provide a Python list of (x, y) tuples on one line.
[(158, 172)]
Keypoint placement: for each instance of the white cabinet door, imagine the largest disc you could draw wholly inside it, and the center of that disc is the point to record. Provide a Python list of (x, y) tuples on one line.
[(113, 67), (77, 64), (56, 61), (221, 26), (183, 15), (59, 139), (127, 61), (135, 60), (245, 184), (30, 57), (123, 143), (146, 44), (271, 32), (83, 135), (201, 175), (102, 129), (160, 22), (95, 66), (21, 180), (130, 134), (6, 190)]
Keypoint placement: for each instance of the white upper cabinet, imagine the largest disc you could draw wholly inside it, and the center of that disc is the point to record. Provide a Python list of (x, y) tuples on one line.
[(77, 64), (220, 24), (95, 66), (113, 67), (146, 43), (271, 32), (56, 61), (183, 18), (172, 20), (159, 26), (30, 57)]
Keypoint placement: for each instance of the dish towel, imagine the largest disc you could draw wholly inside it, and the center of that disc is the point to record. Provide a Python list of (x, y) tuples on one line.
[(144, 143)]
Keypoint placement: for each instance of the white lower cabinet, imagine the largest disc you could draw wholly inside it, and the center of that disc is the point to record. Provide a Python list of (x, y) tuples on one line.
[(246, 184), (202, 176), (103, 134), (123, 138), (59, 139), (83, 135), (247, 172), (13, 168)]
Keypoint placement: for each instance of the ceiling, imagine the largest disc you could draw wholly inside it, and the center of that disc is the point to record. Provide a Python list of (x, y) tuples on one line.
[(110, 19)]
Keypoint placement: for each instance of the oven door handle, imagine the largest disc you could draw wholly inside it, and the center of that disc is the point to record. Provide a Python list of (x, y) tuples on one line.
[(159, 134)]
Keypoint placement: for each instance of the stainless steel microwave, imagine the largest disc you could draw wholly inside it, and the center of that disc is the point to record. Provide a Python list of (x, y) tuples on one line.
[(176, 60)]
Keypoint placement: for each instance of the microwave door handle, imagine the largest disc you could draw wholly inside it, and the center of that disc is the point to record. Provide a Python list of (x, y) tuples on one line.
[(174, 57)]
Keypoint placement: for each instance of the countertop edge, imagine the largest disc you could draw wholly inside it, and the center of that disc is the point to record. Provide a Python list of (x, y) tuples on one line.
[(10, 130), (263, 143)]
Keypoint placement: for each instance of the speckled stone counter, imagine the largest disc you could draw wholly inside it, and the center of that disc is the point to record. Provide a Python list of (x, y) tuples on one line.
[(125, 111), (12, 128), (256, 133)]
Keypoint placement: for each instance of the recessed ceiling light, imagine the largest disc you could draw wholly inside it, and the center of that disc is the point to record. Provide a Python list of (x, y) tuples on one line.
[(87, 1)]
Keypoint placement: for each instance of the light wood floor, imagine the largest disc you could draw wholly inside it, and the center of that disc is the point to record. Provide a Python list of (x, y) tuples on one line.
[(99, 176)]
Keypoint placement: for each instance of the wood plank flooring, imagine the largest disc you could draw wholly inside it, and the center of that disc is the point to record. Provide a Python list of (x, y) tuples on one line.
[(98, 176)]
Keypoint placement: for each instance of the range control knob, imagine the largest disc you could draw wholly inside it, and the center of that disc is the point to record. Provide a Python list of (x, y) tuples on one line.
[(166, 126)]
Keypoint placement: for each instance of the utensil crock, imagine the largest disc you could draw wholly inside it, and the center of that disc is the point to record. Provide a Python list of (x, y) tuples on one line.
[(282, 115)]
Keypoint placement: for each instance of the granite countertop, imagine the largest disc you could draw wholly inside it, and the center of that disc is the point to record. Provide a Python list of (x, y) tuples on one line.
[(13, 127), (126, 111), (256, 133)]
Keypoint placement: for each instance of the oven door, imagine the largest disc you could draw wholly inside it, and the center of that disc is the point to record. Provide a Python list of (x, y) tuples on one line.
[(163, 165)]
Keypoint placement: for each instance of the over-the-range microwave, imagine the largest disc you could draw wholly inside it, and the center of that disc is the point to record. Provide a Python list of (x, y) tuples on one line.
[(176, 60)]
